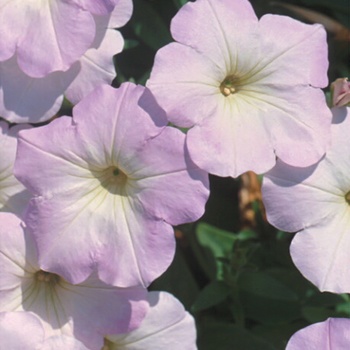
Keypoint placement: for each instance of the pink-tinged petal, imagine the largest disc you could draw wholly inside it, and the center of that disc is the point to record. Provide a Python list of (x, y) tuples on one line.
[(253, 119), (86, 311), (121, 14), (297, 198), (315, 201), (97, 7), (25, 99), (196, 91), (14, 196), (131, 117), (58, 27), (153, 175), (190, 27), (292, 115), (63, 342), (226, 57), (48, 159), (321, 252), (306, 47), (89, 310), (13, 25), (110, 235), (332, 334), (217, 146), (92, 194), (20, 331), (166, 323), (96, 66), (18, 261)]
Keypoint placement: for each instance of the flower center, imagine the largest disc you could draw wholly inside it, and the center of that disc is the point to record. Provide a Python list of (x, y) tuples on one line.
[(47, 277), (107, 345), (230, 85), (113, 179), (347, 197)]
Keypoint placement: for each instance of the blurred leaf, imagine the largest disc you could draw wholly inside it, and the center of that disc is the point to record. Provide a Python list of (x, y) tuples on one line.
[(270, 311), (223, 336), (278, 335), (149, 26), (315, 314), (215, 243), (212, 294), (263, 285), (245, 235), (219, 241), (130, 43), (344, 308), (324, 299), (292, 278), (178, 280), (179, 3)]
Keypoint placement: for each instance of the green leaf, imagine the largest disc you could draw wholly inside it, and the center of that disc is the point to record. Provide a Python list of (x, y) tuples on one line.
[(149, 26), (220, 242), (130, 43), (344, 308), (263, 285), (213, 294), (278, 335), (178, 280), (315, 314), (269, 311), (324, 299), (179, 3), (223, 336)]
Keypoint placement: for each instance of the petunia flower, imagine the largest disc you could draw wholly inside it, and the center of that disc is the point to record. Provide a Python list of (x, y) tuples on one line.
[(86, 311), (13, 195), (167, 326), (315, 202), (48, 36), (109, 184), (24, 98), (332, 334), (249, 89)]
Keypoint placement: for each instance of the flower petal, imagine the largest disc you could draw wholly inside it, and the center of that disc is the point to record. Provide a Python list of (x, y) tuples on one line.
[(20, 331), (97, 7), (57, 27), (314, 201), (327, 244), (25, 99), (166, 323), (332, 334), (13, 195)]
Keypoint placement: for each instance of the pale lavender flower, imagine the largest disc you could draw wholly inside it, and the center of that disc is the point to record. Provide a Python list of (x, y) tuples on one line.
[(48, 36), (109, 184), (24, 98), (316, 202), (332, 334), (249, 89), (86, 311), (13, 195), (167, 326)]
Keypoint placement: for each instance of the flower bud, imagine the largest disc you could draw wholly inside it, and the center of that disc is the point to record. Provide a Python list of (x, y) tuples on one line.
[(340, 90)]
